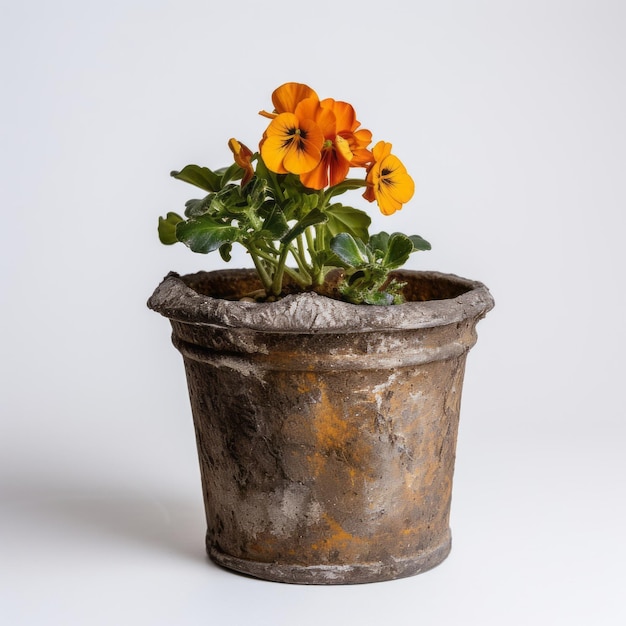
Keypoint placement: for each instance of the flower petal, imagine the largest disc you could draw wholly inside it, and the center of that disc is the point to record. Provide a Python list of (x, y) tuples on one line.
[(388, 181), (344, 114), (286, 97), (304, 152), (292, 145)]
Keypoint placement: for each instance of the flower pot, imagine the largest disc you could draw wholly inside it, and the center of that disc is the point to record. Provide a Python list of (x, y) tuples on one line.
[(326, 431)]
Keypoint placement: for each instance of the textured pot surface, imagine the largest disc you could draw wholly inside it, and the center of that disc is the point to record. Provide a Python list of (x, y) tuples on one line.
[(326, 431)]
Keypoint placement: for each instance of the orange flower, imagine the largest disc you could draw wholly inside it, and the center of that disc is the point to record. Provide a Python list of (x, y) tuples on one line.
[(292, 144), (243, 158), (388, 182), (334, 160), (287, 97), (342, 149), (348, 129)]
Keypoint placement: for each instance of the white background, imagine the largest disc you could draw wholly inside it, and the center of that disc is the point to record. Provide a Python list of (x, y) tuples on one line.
[(511, 118)]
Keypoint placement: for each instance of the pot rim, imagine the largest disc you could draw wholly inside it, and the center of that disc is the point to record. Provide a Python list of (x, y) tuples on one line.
[(309, 312)]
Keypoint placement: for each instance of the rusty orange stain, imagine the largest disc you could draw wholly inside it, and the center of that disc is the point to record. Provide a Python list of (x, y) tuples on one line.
[(335, 434), (331, 429), (338, 539)]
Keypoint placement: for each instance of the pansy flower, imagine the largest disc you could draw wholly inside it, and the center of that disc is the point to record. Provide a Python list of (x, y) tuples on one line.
[(342, 149), (388, 182), (335, 155), (348, 129), (292, 144)]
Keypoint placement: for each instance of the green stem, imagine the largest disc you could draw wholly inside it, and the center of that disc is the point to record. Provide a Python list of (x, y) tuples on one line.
[(323, 201), (316, 269), (277, 284), (257, 257), (310, 242), (320, 238), (303, 278), (276, 187), (301, 249), (304, 269)]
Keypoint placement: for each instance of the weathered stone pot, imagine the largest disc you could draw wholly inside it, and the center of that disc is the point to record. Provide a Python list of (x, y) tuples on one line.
[(326, 431)]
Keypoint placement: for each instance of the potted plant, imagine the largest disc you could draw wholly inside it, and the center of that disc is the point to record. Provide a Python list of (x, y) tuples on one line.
[(325, 383)]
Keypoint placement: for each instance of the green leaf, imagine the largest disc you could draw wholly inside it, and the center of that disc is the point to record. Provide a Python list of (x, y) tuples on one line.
[(419, 243), (379, 242), (261, 170), (201, 177), (234, 172), (275, 224), (398, 251), (342, 187), (227, 202), (204, 234), (167, 228), (310, 219), (350, 250), (326, 258), (297, 205), (381, 298), (346, 219), (256, 193), (225, 251), (193, 208)]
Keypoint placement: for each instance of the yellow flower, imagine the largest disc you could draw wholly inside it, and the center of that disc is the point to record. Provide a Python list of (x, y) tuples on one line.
[(243, 158), (388, 182), (292, 144)]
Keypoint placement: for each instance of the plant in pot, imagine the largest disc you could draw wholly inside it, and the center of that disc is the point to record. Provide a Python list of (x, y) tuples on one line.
[(325, 383)]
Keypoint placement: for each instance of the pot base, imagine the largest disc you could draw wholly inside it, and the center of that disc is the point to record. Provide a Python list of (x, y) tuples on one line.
[(335, 574)]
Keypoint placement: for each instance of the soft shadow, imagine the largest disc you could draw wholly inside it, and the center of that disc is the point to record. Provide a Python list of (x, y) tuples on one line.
[(109, 513)]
